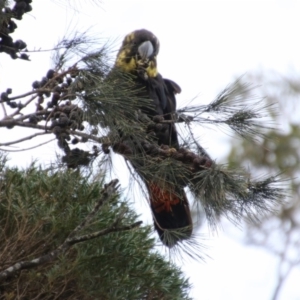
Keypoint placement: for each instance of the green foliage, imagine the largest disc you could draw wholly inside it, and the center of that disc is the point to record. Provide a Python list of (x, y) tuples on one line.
[(38, 210)]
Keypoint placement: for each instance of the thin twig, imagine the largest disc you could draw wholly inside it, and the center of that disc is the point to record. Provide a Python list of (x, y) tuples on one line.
[(24, 105), (30, 148), (4, 110), (94, 235), (13, 122), (100, 140), (24, 139), (25, 95)]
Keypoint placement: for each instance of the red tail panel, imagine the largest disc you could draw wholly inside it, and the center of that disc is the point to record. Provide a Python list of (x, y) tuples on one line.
[(171, 213)]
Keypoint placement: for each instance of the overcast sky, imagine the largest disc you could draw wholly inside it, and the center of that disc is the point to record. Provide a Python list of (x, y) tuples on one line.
[(203, 46)]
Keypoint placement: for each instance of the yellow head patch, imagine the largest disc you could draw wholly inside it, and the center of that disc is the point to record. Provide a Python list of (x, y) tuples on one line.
[(129, 59)]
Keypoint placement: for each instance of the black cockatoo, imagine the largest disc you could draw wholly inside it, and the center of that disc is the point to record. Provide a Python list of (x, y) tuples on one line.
[(168, 201)]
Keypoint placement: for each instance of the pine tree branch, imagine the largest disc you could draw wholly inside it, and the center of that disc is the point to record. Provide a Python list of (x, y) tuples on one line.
[(108, 191), (29, 264), (219, 190), (235, 107)]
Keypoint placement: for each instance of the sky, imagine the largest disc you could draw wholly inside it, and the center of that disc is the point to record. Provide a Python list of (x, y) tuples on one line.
[(204, 45)]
